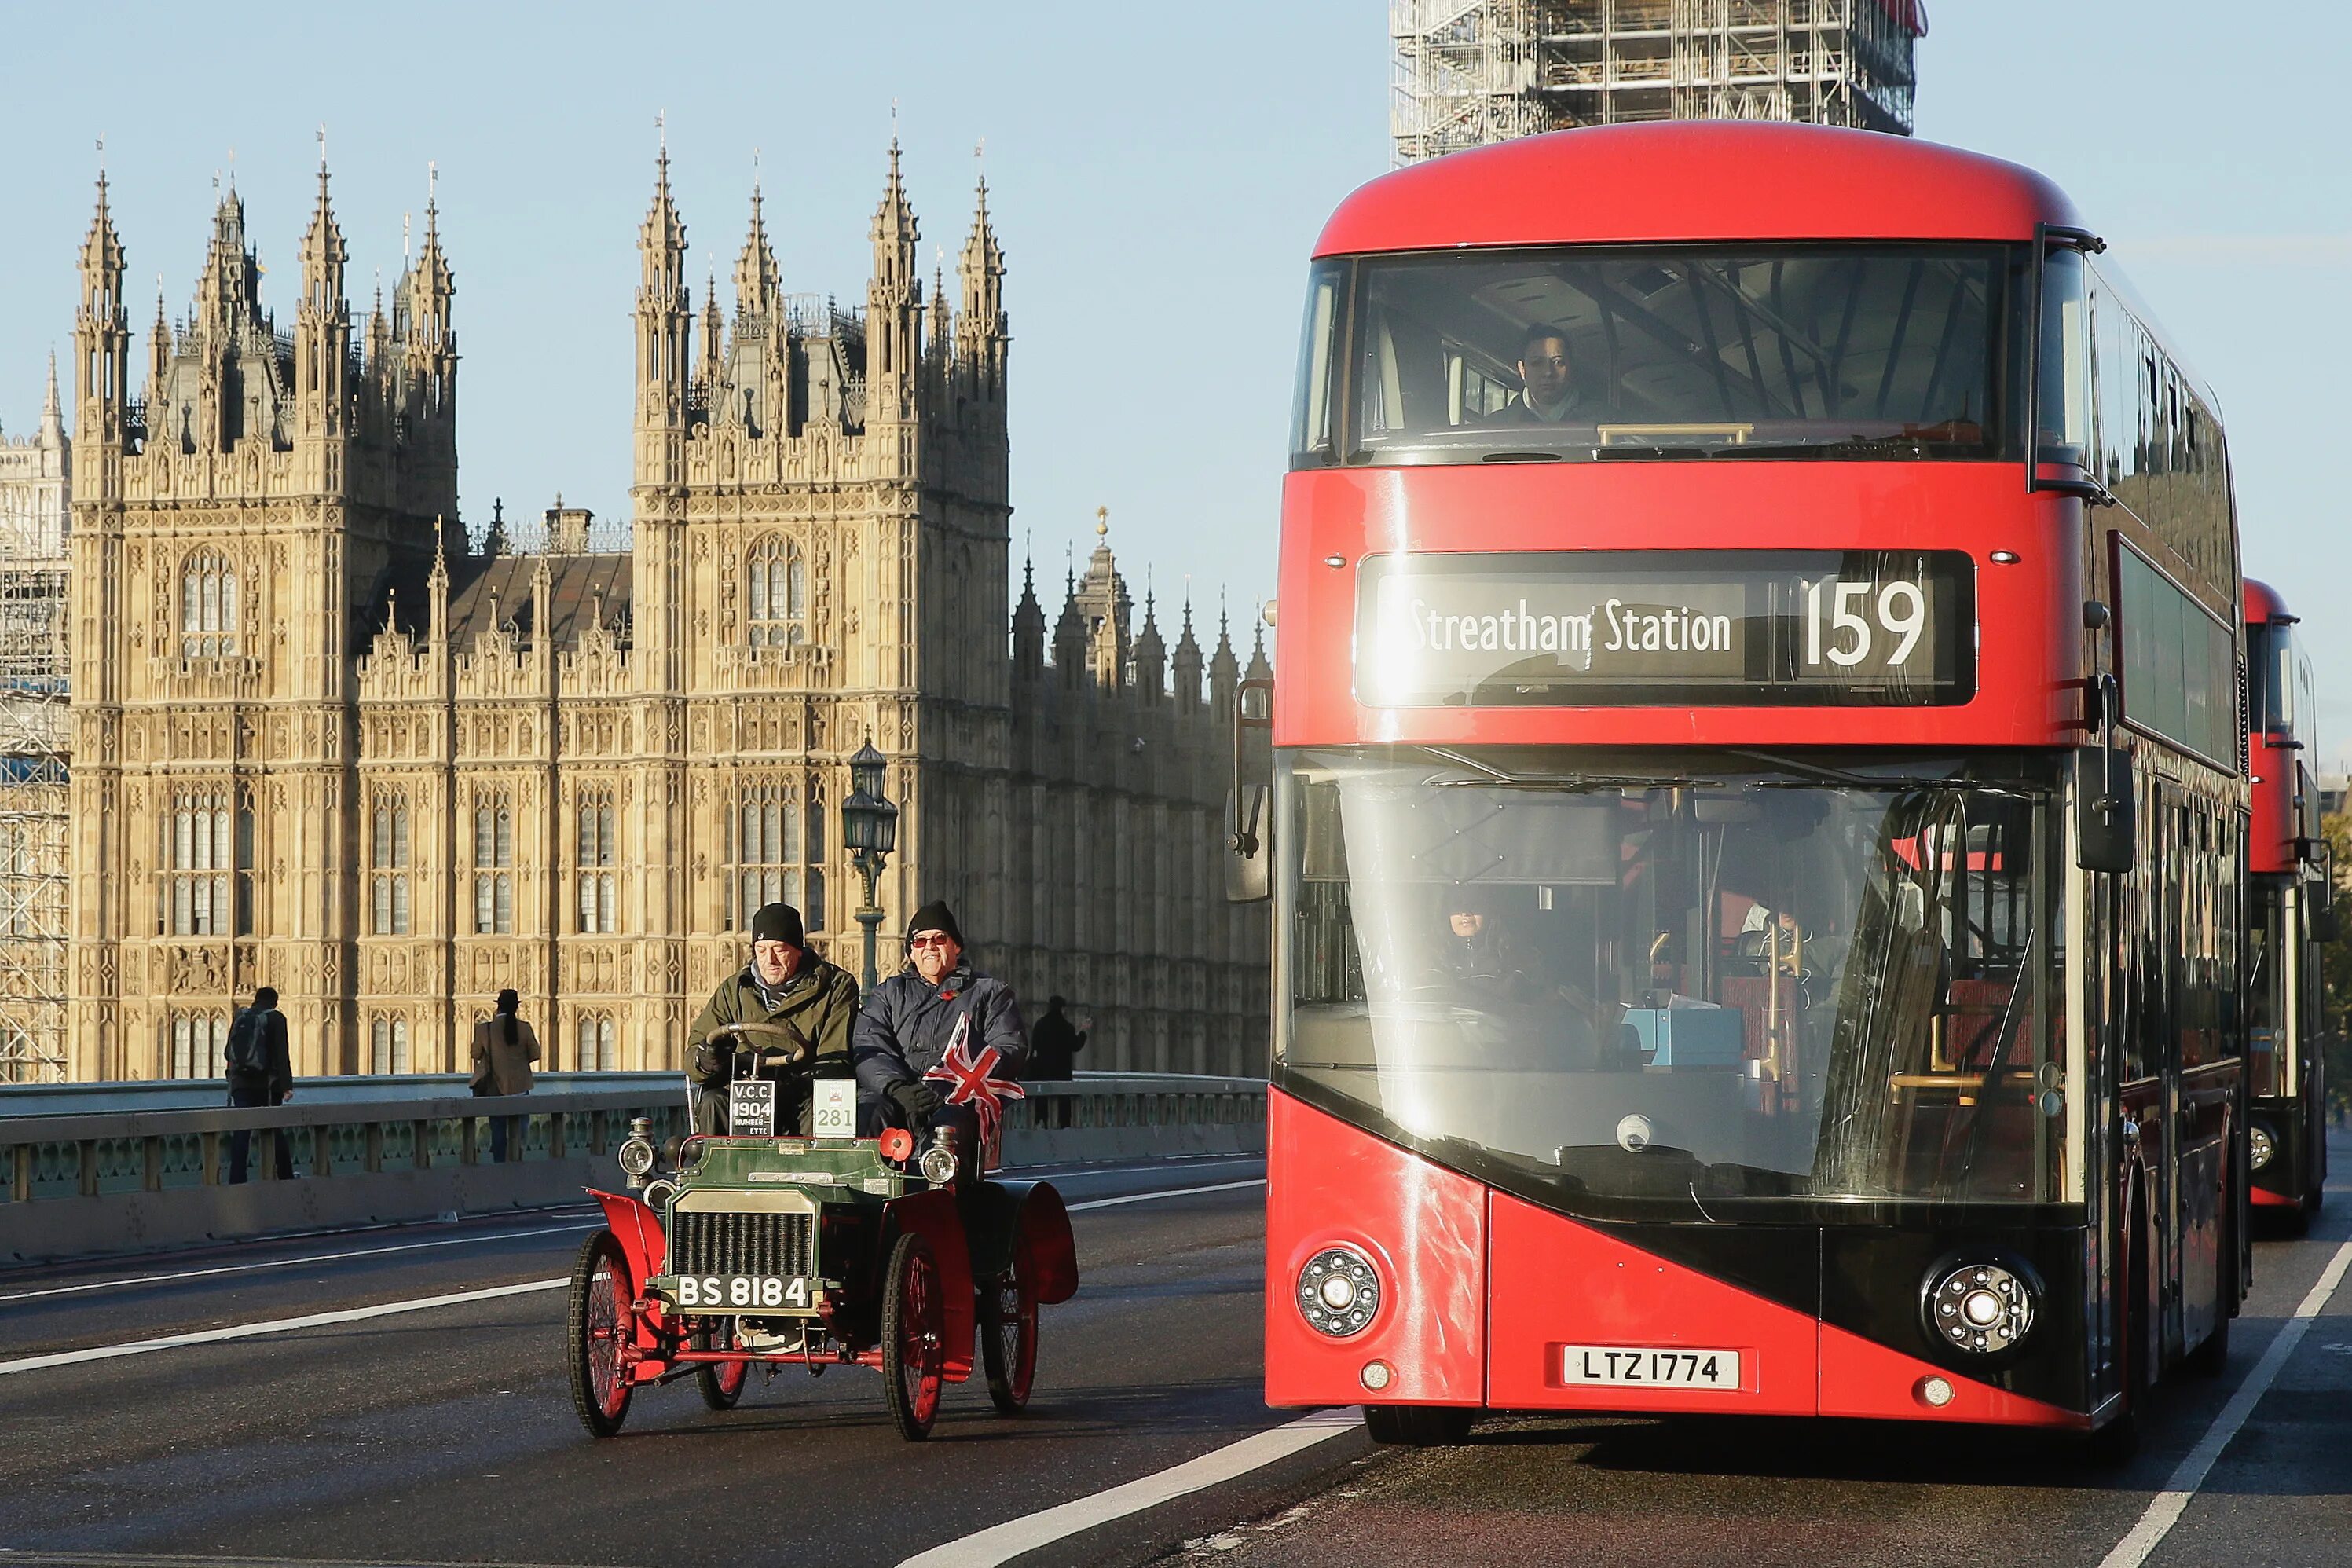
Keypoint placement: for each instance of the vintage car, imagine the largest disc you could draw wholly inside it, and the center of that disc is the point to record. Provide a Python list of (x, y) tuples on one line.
[(747, 1247)]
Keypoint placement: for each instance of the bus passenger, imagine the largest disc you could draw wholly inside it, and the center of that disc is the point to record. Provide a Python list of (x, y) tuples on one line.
[(1547, 393)]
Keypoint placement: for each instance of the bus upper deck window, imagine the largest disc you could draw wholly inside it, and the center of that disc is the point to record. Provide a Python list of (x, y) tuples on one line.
[(1310, 427)]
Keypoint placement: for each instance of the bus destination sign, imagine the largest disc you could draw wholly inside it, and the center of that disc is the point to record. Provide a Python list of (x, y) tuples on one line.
[(1579, 628)]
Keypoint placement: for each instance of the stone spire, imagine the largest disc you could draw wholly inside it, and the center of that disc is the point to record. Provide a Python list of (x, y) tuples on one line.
[(52, 431), (432, 342), (664, 309), (1070, 638), (228, 289), (101, 351), (1260, 667), (894, 307), (322, 324), (984, 330), (758, 283), (1150, 657), (1028, 627), (713, 339), (1187, 663), (1224, 669)]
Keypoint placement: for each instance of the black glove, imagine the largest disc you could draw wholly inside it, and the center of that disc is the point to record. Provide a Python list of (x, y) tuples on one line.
[(914, 1100)]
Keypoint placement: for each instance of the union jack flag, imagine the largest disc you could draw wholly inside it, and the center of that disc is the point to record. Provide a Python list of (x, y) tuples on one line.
[(972, 1080)]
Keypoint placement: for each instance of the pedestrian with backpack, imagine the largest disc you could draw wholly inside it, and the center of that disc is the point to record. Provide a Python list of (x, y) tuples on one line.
[(260, 1072)]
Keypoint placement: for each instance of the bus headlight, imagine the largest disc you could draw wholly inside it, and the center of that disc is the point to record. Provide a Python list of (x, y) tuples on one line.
[(1979, 1307), (1339, 1292), (2260, 1145)]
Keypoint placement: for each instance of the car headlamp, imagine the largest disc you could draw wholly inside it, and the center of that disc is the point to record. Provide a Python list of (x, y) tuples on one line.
[(2260, 1145), (637, 1157), (939, 1164), (1982, 1307), (1339, 1292)]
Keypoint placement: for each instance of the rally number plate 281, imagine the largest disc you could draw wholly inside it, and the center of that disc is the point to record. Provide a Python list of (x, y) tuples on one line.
[(1643, 1366), (741, 1292)]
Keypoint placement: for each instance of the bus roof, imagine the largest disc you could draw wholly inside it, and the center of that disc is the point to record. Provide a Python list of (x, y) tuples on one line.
[(1696, 181), (2263, 604)]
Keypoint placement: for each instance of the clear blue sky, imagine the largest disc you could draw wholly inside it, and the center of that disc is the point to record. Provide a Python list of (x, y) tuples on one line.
[(1157, 174)]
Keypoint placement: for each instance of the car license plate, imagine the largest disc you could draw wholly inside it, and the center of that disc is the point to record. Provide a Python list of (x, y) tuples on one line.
[(741, 1292), (751, 1108), (1644, 1366)]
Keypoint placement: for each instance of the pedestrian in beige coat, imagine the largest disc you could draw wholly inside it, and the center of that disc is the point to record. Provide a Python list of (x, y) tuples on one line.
[(504, 1048)]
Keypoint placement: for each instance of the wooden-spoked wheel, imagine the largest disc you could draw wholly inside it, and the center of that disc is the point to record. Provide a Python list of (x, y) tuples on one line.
[(914, 1345), (720, 1382), (1008, 1333), (599, 1322)]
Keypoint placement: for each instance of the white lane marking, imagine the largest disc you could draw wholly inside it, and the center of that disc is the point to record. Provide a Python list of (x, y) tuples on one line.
[(357, 1314), (1172, 1192), (275, 1326), (2164, 1510), (586, 1224), (298, 1262), (1004, 1543)]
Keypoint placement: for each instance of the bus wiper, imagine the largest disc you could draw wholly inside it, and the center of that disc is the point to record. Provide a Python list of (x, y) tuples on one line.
[(1823, 772), (1572, 784), (1887, 447)]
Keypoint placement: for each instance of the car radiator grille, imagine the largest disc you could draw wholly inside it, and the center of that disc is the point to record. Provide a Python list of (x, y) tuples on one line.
[(702, 1242)]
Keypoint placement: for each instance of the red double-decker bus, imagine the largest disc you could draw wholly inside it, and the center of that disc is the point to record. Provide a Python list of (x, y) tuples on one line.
[(2291, 888), (1757, 808)]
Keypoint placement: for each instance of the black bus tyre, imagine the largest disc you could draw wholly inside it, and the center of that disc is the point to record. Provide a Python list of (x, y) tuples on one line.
[(720, 1382), (914, 1342), (2119, 1440), (1418, 1425), (598, 1326), (1008, 1334)]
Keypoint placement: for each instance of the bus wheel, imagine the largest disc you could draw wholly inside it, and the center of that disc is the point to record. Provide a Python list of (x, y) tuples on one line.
[(2119, 1440), (1418, 1425)]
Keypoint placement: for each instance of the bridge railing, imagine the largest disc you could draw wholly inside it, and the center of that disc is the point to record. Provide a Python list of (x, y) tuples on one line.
[(91, 1183)]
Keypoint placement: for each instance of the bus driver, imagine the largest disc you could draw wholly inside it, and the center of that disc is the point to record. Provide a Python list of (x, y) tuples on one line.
[(1547, 393)]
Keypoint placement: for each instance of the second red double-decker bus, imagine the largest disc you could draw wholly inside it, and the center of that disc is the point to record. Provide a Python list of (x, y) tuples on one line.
[(2291, 890), (1758, 806)]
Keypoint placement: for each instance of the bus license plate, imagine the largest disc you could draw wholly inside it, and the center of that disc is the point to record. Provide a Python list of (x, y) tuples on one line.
[(1623, 1366), (740, 1292)]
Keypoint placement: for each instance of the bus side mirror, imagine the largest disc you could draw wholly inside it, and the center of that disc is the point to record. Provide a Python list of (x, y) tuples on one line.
[(1249, 805), (2104, 819), (2325, 926)]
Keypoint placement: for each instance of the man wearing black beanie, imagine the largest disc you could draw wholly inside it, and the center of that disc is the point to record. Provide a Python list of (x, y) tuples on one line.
[(798, 1007), (909, 1021)]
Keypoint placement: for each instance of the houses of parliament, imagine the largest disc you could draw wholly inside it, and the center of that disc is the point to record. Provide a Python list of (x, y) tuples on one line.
[(319, 743)]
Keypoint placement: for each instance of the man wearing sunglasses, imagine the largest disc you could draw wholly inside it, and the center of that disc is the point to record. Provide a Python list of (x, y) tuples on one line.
[(910, 1020)]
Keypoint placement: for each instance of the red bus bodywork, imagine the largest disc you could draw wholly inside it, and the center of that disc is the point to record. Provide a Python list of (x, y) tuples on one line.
[(1482, 1284)]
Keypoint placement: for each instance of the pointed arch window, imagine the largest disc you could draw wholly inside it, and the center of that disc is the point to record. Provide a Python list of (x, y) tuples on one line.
[(389, 833), (199, 1044), (208, 608), (388, 1045), (494, 859), (777, 852), (599, 852), (776, 593), (205, 852), (600, 1048)]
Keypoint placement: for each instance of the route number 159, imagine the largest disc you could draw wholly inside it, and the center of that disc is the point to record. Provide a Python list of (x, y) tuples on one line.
[(1861, 618)]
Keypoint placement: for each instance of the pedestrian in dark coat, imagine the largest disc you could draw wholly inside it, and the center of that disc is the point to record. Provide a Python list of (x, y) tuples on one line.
[(260, 1072), (909, 1021), (505, 1045), (1053, 1045), (794, 1001)]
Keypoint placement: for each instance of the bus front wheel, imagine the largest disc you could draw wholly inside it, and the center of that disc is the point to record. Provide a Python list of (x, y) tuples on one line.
[(1418, 1425)]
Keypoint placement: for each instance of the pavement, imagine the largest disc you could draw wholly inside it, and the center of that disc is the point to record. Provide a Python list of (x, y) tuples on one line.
[(399, 1396)]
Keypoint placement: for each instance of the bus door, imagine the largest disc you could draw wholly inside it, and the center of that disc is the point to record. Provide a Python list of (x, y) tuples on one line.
[(2201, 1077)]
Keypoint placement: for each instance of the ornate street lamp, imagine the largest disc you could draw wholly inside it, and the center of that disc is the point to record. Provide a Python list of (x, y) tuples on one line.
[(869, 826)]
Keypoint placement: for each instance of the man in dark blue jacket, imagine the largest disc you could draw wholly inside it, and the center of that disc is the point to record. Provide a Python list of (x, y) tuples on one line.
[(909, 1021)]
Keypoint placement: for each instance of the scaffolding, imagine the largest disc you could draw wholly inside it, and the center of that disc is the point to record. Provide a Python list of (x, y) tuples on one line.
[(1470, 72), (35, 748)]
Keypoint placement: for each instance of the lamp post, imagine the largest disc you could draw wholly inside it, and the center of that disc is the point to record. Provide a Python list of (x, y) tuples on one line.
[(869, 826)]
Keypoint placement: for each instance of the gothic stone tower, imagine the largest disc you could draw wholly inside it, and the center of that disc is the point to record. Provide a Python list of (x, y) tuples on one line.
[(224, 528), (822, 526)]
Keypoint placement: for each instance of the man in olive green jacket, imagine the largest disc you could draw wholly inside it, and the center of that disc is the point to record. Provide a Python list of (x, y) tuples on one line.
[(790, 1005)]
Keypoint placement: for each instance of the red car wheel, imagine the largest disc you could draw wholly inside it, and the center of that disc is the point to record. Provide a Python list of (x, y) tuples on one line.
[(913, 1343), (600, 1326)]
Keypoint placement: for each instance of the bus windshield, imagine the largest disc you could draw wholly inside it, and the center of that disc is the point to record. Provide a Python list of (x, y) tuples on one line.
[(1860, 351), (1658, 981)]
